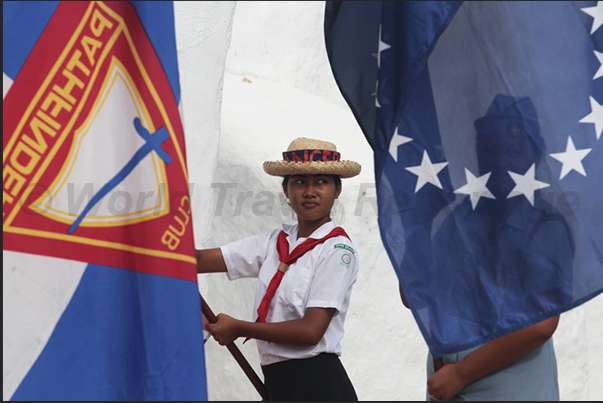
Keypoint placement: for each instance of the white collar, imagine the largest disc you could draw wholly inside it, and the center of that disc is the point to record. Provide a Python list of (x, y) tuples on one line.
[(320, 232)]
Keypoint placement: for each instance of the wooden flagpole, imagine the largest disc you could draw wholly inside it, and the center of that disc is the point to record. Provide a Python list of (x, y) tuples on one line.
[(236, 353)]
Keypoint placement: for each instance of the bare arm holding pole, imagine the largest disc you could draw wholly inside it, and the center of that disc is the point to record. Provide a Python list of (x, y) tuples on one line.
[(236, 353), (212, 261), (450, 379)]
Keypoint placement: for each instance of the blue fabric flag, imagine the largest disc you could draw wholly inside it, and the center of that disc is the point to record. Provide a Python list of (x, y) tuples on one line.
[(485, 119), (101, 300)]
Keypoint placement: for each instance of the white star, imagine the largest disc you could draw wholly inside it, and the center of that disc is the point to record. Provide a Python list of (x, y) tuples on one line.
[(397, 140), (475, 187), (595, 116), (526, 184), (382, 46), (599, 72), (427, 172), (571, 158), (597, 14)]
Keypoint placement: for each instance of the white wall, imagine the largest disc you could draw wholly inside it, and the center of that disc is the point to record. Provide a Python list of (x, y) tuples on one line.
[(203, 32), (277, 86)]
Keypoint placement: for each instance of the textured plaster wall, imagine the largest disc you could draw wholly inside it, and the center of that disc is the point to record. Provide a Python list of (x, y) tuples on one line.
[(254, 76)]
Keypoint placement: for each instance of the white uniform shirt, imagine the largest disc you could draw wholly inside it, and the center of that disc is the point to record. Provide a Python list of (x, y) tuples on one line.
[(322, 277)]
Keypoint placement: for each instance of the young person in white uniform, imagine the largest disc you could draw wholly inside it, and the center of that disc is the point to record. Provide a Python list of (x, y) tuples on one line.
[(305, 276)]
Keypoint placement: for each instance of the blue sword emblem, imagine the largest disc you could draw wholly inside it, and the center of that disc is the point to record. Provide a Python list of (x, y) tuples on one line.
[(152, 143)]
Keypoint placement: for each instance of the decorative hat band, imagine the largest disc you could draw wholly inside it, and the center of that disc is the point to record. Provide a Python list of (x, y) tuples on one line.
[(311, 155)]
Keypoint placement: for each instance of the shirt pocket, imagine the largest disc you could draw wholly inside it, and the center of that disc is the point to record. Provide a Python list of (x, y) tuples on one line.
[(294, 288)]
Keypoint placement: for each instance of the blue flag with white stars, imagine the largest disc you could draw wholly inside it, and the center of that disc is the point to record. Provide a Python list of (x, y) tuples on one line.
[(485, 119)]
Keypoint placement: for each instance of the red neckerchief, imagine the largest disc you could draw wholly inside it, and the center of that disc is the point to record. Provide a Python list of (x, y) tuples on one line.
[(286, 259)]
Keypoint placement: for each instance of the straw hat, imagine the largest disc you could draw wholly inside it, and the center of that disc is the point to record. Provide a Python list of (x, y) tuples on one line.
[(312, 157)]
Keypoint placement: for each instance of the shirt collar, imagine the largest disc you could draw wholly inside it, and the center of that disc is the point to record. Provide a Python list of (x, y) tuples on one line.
[(320, 232)]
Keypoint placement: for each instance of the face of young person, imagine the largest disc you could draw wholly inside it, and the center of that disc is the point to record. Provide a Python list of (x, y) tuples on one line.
[(311, 197), (499, 155)]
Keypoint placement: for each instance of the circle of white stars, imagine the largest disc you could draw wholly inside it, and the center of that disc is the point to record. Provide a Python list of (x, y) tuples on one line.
[(525, 184)]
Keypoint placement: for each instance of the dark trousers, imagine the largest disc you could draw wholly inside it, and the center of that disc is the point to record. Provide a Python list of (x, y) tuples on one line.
[(317, 378)]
